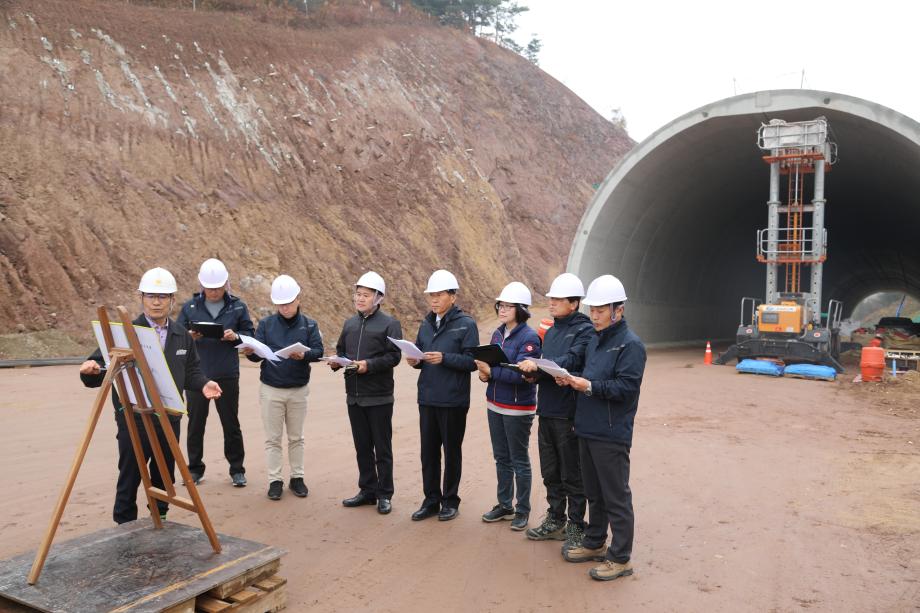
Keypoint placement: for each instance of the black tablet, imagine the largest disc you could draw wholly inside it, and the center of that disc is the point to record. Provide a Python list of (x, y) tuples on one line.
[(493, 355), (208, 329)]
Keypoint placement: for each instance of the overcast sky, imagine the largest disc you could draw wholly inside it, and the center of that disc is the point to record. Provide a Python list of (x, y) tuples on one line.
[(658, 60)]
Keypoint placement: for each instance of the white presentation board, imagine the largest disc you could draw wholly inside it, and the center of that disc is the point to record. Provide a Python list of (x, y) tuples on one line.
[(156, 360)]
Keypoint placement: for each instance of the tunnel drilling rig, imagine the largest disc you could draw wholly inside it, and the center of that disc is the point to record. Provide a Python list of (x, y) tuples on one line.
[(788, 325)]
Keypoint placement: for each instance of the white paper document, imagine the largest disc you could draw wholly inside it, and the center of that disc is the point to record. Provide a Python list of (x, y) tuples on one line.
[(156, 360), (337, 359), (551, 368), (408, 348), (261, 349), (295, 348)]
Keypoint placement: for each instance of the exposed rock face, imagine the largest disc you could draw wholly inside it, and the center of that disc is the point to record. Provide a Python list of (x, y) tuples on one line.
[(133, 137)]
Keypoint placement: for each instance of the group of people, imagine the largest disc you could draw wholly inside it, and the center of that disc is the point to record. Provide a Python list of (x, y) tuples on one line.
[(586, 413)]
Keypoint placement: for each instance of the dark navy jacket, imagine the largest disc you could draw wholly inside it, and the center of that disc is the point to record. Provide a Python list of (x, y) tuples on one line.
[(614, 364), (447, 384), (219, 359), (181, 358), (365, 338), (507, 388), (278, 332), (565, 344)]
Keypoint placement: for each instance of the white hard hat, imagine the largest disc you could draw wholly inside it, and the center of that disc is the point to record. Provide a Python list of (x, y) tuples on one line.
[(515, 293), (372, 280), (213, 274), (157, 281), (606, 289), (441, 281), (566, 285), (284, 289)]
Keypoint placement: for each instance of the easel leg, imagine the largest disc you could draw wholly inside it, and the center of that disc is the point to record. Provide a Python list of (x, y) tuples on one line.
[(42, 553), (135, 435)]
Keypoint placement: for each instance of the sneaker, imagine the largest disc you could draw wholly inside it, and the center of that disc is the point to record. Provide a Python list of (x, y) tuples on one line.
[(550, 530), (197, 477), (520, 521), (296, 485), (498, 513), (610, 570), (162, 516), (239, 479), (274, 490), (574, 536), (583, 554)]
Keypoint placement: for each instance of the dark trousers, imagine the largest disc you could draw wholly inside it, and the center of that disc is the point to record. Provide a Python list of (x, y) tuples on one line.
[(442, 427), (228, 408), (605, 472), (129, 476), (372, 430), (510, 441), (560, 467)]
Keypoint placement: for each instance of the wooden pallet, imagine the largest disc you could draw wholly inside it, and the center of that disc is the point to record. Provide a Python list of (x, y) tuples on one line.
[(263, 596)]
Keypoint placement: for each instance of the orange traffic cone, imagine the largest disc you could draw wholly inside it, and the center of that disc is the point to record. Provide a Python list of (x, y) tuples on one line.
[(707, 359)]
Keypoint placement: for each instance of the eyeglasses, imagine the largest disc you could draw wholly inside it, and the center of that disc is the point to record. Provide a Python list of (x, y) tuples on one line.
[(503, 306), (158, 297)]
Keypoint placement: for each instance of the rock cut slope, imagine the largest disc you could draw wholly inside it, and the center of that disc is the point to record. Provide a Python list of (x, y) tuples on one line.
[(134, 136)]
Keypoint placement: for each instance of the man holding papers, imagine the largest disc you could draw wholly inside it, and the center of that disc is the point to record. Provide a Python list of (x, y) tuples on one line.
[(564, 344), (283, 393), (157, 289), (447, 337), (369, 390), (215, 307)]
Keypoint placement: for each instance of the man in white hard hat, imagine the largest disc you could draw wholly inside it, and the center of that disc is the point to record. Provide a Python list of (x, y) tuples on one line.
[(157, 291), (447, 336), (564, 343), (604, 414), (283, 392), (220, 361), (369, 390)]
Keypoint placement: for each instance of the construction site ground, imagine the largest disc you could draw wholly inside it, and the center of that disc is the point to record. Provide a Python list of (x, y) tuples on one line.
[(751, 494)]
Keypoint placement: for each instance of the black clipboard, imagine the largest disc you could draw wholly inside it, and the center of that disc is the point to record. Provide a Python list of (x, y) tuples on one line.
[(208, 329), (493, 355)]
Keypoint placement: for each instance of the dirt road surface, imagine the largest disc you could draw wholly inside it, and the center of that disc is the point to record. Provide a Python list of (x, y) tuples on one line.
[(751, 494)]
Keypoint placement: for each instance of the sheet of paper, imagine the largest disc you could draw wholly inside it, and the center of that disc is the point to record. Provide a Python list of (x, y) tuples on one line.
[(408, 348), (261, 349), (337, 359), (295, 348), (156, 360), (551, 368)]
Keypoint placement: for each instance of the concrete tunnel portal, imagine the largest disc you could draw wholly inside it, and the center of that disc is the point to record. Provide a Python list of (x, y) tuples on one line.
[(676, 219)]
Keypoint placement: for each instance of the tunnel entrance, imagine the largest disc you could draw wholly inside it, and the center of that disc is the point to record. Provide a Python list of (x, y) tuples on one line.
[(870, 309), (676, 220)]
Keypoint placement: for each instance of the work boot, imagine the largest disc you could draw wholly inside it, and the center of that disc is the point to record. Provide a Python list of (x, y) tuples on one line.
[(610, 570), (574, 535), (583, 554), (549, 530), (274, 490), (239, 479), (520, 521), (498, 513), (297, 486)]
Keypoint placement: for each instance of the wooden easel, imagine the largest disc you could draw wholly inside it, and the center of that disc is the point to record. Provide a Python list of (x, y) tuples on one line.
[(125, 359)]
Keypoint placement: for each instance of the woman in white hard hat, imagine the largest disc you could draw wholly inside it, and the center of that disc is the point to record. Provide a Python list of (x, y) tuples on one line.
[(283, 393), (369, 390), (604, 414), (220, 361), (447, 336), (157, 290), (511, 401)]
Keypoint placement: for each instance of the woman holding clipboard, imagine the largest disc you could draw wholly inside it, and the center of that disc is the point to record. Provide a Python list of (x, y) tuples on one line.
[(511, 401)]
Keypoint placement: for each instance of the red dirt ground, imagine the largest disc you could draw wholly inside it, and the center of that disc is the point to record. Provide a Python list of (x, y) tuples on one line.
[(751, 493)]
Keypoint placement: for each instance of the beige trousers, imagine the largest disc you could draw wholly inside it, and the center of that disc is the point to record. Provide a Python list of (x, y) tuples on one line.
[(283, 409)]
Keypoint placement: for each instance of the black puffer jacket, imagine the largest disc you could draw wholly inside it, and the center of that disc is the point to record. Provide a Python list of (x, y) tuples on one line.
[(564, 344), (365, 338)]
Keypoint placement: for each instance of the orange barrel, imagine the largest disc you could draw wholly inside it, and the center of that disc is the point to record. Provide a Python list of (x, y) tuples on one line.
[(872, 363)]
